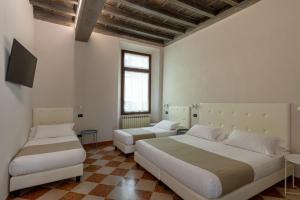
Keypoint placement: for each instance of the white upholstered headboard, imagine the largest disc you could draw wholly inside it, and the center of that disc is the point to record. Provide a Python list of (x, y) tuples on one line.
[(43, 116), (181, 114), (267, 118)]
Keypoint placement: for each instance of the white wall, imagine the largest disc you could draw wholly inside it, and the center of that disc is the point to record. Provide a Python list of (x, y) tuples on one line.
[(16, 21), (252, 56), (73, 73)]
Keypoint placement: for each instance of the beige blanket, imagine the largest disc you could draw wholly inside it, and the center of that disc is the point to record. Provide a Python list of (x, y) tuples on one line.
[(233, 174), (48, 148), (139, 134)]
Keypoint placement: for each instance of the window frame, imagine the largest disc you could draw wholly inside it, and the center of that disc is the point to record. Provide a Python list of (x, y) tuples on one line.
[(123, 70)]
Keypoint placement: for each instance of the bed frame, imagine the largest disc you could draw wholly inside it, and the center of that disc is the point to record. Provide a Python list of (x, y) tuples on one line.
[(180, 114), (43, 116), (267, 118)]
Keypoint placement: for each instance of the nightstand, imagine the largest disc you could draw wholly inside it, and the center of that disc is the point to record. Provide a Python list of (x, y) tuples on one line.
[(181, 131), (83, 133), (295, 160)]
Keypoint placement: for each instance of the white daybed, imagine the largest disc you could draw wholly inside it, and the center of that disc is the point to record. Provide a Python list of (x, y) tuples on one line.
[(125, 141), (192, 182), (52, 159)]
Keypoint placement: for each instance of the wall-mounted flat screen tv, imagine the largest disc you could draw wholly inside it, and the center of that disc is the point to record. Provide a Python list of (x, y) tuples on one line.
[(21, 66)]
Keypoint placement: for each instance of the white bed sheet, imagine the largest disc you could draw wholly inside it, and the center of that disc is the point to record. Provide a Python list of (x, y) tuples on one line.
[(127, 139), (202, 181), (42, 162)]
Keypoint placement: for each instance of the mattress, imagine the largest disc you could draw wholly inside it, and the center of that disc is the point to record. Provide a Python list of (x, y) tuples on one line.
[(200, 180), (29, 164), (127, 139)]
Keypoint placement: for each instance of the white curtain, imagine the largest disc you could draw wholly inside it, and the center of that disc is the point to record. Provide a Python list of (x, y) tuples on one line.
[(136, 92)]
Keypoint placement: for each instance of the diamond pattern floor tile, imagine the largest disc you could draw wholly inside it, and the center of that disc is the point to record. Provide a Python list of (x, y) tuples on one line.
[(108, 174)]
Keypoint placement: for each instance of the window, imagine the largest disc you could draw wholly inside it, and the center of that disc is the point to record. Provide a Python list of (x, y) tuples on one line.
[(136, 83)]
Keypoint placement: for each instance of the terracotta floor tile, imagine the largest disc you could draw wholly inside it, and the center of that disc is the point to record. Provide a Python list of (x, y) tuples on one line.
[(120, 172), (143, 195), (89, 154), (161, 196), (89, 160), (113, 164), (126, 165), (67, 185), (97, 178), (148, 176), (92, 168), (108, 157), (102, 190), (72, 196), (53, 194), (35, 193)]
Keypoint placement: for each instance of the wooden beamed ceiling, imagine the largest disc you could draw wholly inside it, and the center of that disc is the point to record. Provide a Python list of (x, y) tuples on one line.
[(159, 22)]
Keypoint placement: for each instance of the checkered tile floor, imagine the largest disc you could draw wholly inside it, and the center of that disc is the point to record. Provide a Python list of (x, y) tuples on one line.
[(108, 174)]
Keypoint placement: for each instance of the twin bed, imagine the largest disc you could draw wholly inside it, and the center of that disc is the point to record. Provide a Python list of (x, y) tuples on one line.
[(199, 169), (124, 139), (47, 159)]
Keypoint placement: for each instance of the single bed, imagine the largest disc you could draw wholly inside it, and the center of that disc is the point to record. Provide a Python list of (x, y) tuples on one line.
[(193, 182), (124, 141), (44, 160)]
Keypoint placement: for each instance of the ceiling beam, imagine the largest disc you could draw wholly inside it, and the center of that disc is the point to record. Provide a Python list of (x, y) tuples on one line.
[(244, 4), (231, 2), (51, 17), (133, 29), (87, 16), (141, 20), (99, 28), (156, 13), (197, 9), (54, 7), (74, 2)]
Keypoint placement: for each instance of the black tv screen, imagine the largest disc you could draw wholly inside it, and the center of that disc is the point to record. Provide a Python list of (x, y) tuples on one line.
[(21, 66)]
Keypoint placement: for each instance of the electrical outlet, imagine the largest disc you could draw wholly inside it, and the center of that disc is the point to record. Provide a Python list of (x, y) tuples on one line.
[(80, 115)]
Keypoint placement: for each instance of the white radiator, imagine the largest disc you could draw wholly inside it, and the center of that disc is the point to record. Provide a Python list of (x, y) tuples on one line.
[(135, 121)]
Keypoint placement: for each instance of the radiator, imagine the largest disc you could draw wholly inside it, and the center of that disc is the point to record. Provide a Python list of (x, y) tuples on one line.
[(135, 121)]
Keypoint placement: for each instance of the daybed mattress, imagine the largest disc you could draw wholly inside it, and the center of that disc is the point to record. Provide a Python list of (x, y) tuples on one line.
[(127, 139), (47, 161), (202, 181)]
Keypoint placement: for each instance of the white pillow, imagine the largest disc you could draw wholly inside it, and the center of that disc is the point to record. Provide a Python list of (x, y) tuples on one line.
[(205, 132), (55, 130), (167, 125), (256, 142)]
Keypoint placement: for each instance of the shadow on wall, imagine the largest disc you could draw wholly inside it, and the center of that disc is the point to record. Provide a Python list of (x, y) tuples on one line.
[(14, 88)]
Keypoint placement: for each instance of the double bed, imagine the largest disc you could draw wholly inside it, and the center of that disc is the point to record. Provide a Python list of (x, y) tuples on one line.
[(200, 169), (44, 160), (124, 139)]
